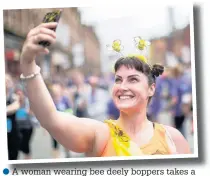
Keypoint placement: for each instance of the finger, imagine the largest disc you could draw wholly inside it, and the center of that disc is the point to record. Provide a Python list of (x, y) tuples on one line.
[(33, 32), (43, 31), (48, 31), (49, 25), (36, 30), (43, 37), (37, 49)]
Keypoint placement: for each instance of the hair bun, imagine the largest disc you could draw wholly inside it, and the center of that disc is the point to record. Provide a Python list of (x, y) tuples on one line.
[(157, 70)]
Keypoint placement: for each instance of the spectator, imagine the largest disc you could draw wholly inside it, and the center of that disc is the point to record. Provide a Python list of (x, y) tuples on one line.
[(164, 98), (97, 100), (23, 116), (62, 104), (13, 133), (79, 91), (183, 86), (112, 111)]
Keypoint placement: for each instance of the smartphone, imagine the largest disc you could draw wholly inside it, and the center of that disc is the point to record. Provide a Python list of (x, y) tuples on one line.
[(51, 17)]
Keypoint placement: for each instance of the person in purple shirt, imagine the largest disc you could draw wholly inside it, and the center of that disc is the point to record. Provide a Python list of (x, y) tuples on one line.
[(183, 86), (112, 110), (164, 97), (154, 107), (62, 104)]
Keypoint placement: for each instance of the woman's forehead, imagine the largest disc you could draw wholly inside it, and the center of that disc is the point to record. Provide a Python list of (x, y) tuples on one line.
[(124, 71)]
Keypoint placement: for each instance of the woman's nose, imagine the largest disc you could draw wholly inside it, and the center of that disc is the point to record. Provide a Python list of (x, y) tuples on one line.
[(123, 86)]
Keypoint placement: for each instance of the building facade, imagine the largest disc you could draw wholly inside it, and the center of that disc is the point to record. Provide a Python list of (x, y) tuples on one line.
[(173, 49), (71, 49)]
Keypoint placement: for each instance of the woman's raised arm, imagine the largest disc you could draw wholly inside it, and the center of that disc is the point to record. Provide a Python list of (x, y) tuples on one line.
[(74, 133)]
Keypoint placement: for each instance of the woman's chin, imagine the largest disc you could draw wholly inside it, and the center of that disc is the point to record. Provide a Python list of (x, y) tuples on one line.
[(125, 107)]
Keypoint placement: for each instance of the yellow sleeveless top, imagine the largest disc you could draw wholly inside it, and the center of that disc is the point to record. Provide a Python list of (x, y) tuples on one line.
[(120, 144)]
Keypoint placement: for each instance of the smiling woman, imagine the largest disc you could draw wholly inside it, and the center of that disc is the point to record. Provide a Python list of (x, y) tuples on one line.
[(131, 135)]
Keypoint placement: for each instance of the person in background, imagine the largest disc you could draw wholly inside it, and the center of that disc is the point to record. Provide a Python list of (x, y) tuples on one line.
[(23, 116), (62, 104), (97, 99), (164, 99), (183, 86), (13, 133), (188, 122), (104, 81), (154, 107), (112, 111), (67, 96), (79, 90)]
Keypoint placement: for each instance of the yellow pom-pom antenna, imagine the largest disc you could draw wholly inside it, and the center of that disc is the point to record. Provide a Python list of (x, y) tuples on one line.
[(141, 44), (116, 46)]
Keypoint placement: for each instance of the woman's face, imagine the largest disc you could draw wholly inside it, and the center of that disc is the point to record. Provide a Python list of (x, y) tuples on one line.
[(131, 89)]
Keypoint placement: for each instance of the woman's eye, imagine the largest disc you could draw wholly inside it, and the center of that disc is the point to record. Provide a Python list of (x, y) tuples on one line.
[(133, 80), (117, 80)]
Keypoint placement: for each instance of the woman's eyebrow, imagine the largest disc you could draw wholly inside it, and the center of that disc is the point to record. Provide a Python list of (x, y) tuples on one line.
[(118, 76), (133, 76), (128, 76)]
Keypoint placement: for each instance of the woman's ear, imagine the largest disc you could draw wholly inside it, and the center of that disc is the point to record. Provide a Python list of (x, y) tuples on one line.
[(151, 90)]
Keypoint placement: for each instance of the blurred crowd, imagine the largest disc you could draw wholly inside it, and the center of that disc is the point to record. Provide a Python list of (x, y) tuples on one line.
[(76, 94)]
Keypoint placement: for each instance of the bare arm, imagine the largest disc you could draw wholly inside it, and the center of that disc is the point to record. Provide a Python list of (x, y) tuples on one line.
[(79, 134), (12, 108), (73, 133), (181, 144)]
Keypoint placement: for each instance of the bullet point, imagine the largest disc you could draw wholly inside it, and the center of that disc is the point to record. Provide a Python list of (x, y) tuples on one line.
[(6, 171)]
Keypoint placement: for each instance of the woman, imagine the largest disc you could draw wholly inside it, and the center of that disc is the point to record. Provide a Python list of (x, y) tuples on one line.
[(183, 88), (134, 85), (13, 132), (23, 117), (79, 90)]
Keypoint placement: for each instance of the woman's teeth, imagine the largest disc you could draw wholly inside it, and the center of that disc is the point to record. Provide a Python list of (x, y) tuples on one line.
[(125, 97)]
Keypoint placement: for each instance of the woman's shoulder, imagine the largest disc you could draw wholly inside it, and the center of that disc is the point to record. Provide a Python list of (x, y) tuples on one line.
[(175, 134), (176, 137)]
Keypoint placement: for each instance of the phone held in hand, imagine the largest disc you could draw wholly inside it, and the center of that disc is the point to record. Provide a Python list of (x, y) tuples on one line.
[(50, 17)]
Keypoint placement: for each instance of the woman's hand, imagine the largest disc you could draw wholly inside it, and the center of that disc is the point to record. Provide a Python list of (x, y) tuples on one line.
[(31, 48)]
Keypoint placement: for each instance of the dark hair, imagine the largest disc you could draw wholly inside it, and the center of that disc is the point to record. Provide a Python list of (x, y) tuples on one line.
[(137, 64)]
